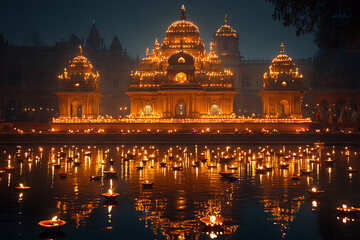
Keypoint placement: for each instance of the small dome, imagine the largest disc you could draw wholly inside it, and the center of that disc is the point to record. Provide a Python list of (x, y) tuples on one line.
[(181, 58), (182, 27), (225, 30), (80, 63)]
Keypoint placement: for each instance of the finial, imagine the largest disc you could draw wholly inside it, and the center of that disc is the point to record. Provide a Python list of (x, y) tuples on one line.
[(282, 48), (156, 44), (226, 19), (211, 47), (183, 17), (93, 22), (80, 50), (147, 52)]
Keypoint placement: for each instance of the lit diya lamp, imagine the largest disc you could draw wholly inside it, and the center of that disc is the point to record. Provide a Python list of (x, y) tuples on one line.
[(195, 164), (212, 221), (260, 170), (62, 175), (313, 192), (233, 167), (226, 174), (77, 163), (110, 195), (177, 167), (52, 224), (147, 184), (111, 172), (22, 187), (351, 170), (2, 172), (295, 177), (95, 177), (212, 165), (283, 165), (9, 167), (306, 172), (70, 159), (344, 209), (268, 168)]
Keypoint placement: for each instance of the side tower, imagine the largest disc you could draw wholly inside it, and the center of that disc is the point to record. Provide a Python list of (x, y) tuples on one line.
[(283, 88), (79, 89), (226, 45)]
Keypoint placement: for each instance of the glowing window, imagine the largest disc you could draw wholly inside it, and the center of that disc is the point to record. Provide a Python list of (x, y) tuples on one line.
[(181, 77), (181, 60), (147, 110)]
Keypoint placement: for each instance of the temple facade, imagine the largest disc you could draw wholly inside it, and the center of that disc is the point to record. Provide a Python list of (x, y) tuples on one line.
[(180, 79), (283, 88), (79, 89)]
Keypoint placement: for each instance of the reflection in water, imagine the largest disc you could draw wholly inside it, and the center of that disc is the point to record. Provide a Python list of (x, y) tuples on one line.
[(184, 186)]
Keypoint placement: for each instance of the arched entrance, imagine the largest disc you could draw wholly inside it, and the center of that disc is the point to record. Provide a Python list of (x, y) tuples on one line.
[(214, 109), (180, 109), (284, 108), (79, 111), (147, 110)]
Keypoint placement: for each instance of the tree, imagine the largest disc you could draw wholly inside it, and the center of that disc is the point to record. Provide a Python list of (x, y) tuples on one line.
[(336, 21)]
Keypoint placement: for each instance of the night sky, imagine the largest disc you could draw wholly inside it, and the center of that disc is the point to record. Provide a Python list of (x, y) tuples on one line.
[(137, 23)]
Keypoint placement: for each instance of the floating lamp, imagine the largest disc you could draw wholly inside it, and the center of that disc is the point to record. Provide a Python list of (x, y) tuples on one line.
[(313, 192), (212, 221), (306, 172), (344, 209), (110, 195), (260, 170), (295, 177), (21, 187), (351, 170), (52, 224), (62, 175), (283, 165), (147, 184), (95, 177)]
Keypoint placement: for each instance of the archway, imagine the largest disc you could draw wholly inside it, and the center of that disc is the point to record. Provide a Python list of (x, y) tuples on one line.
[(214, 109), (147, 110), (180, 77), (180, 109), (79, 111), (284, 108)]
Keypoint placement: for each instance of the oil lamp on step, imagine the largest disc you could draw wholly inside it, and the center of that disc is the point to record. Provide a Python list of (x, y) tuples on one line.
[(351, 170), (52, 224)]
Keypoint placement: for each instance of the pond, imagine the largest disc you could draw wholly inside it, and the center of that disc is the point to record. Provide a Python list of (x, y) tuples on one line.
[(263, 193)]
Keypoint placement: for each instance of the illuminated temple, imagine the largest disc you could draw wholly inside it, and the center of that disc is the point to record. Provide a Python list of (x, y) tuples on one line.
[(283, 88), (79, 89), (179, 79)]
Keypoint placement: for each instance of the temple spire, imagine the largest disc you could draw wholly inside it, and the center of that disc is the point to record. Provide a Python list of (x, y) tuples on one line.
[(226, 19), (157, 44), (183, 17), (282, 48), (147, 52), (80, 50)]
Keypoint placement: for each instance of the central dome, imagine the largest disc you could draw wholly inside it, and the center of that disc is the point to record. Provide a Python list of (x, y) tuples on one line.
[(184, 35), (183, 28)]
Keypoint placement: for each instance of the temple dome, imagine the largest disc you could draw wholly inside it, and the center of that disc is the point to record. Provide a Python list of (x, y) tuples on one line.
[(182, 28), (80, 63), (282, 63), (225, 30)]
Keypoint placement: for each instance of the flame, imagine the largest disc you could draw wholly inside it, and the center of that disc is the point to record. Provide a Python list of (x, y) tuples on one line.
[(344, 206), (21, 185), (111, 169), (213, 235), (313, 189), (212, 219), (110, 192), (109, 208), (314, 203), (54, 219)]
